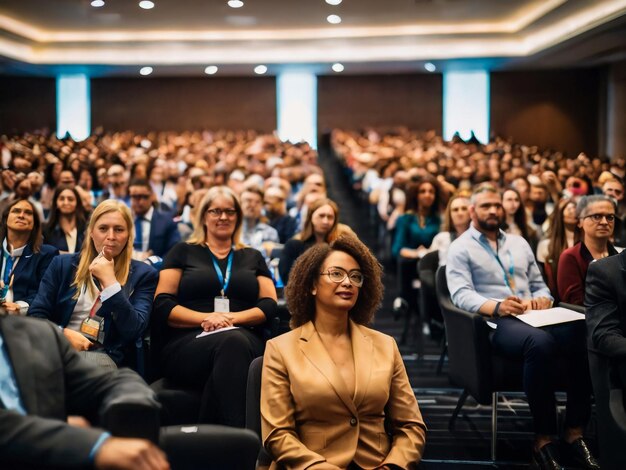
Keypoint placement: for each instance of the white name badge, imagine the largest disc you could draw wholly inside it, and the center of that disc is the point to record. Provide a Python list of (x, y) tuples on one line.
[(221, 304)]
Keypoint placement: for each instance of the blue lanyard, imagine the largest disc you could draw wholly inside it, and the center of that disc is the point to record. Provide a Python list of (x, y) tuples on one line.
[(224, 281), (9, 261), (511, 273)]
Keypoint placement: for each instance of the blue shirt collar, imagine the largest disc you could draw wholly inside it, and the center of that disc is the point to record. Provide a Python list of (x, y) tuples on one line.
[(480, 237)]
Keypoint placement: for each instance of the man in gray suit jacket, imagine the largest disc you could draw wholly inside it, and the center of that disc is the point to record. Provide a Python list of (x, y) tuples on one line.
[(42, 381)]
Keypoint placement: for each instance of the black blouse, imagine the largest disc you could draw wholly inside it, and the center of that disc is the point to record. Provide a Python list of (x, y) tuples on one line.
[(199, 284)]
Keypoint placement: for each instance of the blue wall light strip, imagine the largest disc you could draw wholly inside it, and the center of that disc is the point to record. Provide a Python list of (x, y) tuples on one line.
[(466, 104), (296, 107), (73, 106)]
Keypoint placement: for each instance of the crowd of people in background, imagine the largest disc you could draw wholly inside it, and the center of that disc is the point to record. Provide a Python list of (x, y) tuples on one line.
[(201, 230), (409, 177)]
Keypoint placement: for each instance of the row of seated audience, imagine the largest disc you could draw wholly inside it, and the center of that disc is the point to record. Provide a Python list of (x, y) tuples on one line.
[(103, 297), (539, 226)]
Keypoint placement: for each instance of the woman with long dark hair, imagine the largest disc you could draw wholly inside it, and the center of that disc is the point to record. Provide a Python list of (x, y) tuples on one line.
[(516, 218), (65, 228), (415, 231)]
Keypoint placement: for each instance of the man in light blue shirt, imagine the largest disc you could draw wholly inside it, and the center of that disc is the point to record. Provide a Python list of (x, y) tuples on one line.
[(495, 274)]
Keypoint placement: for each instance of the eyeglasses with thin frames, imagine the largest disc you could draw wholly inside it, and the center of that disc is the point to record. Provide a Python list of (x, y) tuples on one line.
[(217, 213), (597, 218), (338, 275)]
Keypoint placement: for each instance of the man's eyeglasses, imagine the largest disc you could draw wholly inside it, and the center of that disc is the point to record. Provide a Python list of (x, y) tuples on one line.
[(597, 218), (337, 274), (217, 213)]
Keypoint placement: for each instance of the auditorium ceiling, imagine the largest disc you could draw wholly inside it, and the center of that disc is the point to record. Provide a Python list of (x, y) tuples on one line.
[(182, 37)]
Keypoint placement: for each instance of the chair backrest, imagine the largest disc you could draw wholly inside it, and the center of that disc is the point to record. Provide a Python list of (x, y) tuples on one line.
[(427, 269), (469, 348), (253, 405)]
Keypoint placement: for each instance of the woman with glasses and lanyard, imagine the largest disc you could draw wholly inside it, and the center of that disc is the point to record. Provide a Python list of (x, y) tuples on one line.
[(335, 393), (213, 297), (596, 221), (24, 258)]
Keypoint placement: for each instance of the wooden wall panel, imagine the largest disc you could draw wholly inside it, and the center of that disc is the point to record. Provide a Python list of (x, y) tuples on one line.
[(354, 102), (177, 104), (27, 104), (552, 109)]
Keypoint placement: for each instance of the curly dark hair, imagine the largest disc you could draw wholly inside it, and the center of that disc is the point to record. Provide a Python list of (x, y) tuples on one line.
[(305, 273)]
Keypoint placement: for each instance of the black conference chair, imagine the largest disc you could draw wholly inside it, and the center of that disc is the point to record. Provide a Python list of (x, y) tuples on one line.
[(253, 406), (429, 306), (472, 364)]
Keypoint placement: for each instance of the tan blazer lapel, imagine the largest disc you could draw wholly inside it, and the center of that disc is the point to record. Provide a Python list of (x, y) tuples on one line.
[(312, 347), (363, 350)]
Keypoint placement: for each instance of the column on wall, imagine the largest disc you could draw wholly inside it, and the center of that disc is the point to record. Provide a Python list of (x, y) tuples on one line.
[(296, 104), (73, 106), (466, 104)]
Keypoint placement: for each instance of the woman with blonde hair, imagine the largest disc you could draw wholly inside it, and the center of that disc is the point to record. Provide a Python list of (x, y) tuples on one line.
[(101, 297), (213, 297)]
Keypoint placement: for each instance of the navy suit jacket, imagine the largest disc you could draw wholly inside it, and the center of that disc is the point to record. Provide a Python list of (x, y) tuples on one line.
[(57, 239), (30, 270), (163, 233), (126, 314)]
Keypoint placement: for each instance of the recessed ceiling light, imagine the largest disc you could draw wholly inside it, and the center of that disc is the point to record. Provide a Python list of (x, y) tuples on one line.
[(235, 3), (333, 19), (97, 3), (337, 67), (145, 71), (260, 69), (333, 2), (430, 67), (211, 70), (146, 4)]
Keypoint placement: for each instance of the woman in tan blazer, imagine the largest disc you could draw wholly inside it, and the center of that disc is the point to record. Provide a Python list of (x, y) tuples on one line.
[(335, 393)]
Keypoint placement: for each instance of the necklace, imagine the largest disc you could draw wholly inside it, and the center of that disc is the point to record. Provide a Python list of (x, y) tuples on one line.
[(220, 253)]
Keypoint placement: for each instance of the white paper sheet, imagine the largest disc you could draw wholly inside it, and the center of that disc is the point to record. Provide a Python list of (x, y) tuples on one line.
[(550, 316), (207, 333)]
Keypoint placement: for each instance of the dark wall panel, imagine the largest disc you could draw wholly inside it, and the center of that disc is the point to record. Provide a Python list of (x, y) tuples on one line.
[(551, 109), (27, 104), (179, 104), (617, 110), (352, 102)]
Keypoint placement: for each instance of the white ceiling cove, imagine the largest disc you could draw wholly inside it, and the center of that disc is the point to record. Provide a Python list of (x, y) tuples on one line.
[(186, 33)]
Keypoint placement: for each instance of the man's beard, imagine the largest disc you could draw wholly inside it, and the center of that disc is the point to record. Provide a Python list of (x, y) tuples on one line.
[(489, 225)]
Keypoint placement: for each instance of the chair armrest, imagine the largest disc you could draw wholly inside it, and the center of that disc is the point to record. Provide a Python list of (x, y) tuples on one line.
[(132, 416), (616, 406), (574, 307)]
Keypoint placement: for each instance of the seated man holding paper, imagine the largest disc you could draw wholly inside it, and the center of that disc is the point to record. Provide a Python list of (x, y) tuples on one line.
[(495, 274)]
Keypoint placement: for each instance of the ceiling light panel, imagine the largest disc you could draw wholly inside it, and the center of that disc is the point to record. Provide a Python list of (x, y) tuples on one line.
[(146, 4), (333, 19)]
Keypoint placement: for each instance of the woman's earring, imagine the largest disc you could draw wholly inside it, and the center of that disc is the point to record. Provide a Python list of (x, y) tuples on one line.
[(314, 292)]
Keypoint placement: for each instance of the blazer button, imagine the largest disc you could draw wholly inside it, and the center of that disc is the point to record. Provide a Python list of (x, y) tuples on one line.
[(353, 422)]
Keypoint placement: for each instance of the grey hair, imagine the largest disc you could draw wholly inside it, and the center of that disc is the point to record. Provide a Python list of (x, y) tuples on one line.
[(483, 188), (585, 201)]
